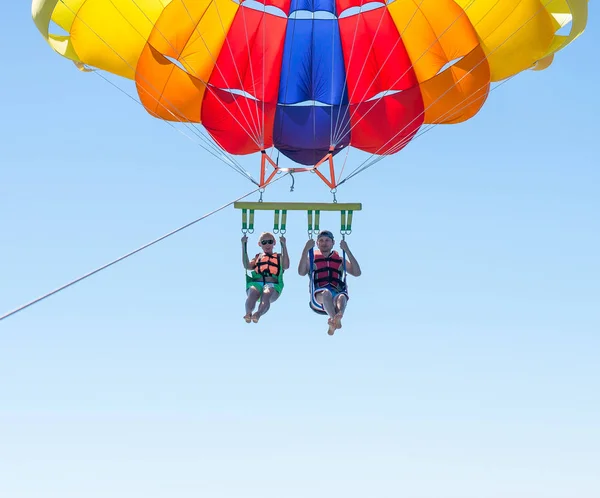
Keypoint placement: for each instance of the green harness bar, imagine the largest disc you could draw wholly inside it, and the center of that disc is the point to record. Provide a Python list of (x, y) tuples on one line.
[(313, 210)]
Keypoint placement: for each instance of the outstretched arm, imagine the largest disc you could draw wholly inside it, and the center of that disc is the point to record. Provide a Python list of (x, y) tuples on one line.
[(304, 265), (285, 258), (246, 263), (352, 266)]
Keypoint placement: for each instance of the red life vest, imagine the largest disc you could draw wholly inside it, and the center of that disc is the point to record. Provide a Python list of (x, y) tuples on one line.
[(267, 265), (328, 270)]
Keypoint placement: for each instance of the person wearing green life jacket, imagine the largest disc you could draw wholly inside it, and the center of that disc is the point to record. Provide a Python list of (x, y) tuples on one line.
[(265, 283)]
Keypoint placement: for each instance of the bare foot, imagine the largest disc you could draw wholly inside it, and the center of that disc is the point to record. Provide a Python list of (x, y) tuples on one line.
[(337, 320), (331, 329), (255, 317), (248, 317)]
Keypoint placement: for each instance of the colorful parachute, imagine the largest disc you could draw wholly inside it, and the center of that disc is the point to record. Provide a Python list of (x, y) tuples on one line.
[(311, 77)]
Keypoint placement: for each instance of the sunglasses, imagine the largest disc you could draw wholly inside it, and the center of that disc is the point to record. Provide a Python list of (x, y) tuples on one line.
[(265, 242)]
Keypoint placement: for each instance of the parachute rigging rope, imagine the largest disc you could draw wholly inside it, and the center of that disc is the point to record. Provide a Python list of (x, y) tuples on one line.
[(254, 138), (139, 249), (287, 79), (343, 166), (76, 16), (340, 136), (341, 131), (368, 162), (214, 150)]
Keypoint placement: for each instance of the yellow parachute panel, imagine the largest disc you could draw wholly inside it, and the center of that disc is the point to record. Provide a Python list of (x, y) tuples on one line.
[(105, 34)]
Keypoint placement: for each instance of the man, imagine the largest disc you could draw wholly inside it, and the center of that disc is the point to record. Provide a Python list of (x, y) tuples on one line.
[(328, 286), (266, 281)]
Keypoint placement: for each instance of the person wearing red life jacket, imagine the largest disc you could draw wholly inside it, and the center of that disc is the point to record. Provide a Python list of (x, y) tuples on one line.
[(265, 283), (327, 272)]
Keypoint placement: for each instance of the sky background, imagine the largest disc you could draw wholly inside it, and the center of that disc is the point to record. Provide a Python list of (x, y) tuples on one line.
[(467, 366)]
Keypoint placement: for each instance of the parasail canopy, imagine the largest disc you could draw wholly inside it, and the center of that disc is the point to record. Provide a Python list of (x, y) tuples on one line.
[(311, 77)]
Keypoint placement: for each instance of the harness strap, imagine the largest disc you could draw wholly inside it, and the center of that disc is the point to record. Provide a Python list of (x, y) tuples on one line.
[(344, 267)]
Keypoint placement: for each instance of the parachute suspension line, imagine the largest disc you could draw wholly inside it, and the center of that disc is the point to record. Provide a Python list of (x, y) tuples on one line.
[(337, 181), (460, 106), (195, 74), (139, 249), (314, 105), (287, 79), (350, 59), (332, 80), (256, 137), (176, 117), (367, 163), (384, 94), (427, 129), (404, 141), (343, 132), (208, 145), (362, 166), (260, 126), (197, 131), (338, 136), (252, 133)]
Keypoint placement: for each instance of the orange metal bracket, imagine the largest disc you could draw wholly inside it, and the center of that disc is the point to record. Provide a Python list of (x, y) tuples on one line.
[(266, 159)]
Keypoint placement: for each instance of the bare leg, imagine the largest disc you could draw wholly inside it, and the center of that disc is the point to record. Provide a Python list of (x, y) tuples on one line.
[(340, 306), (253, 295), (325, 298), (268, 296)]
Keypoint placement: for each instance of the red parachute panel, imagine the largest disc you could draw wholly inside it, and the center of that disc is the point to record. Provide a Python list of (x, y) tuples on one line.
[(402, 115), (250, 59), (375, 57), (235, 122)]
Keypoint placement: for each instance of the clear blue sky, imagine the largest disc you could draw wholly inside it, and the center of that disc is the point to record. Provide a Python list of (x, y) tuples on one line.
[(468, 362)]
